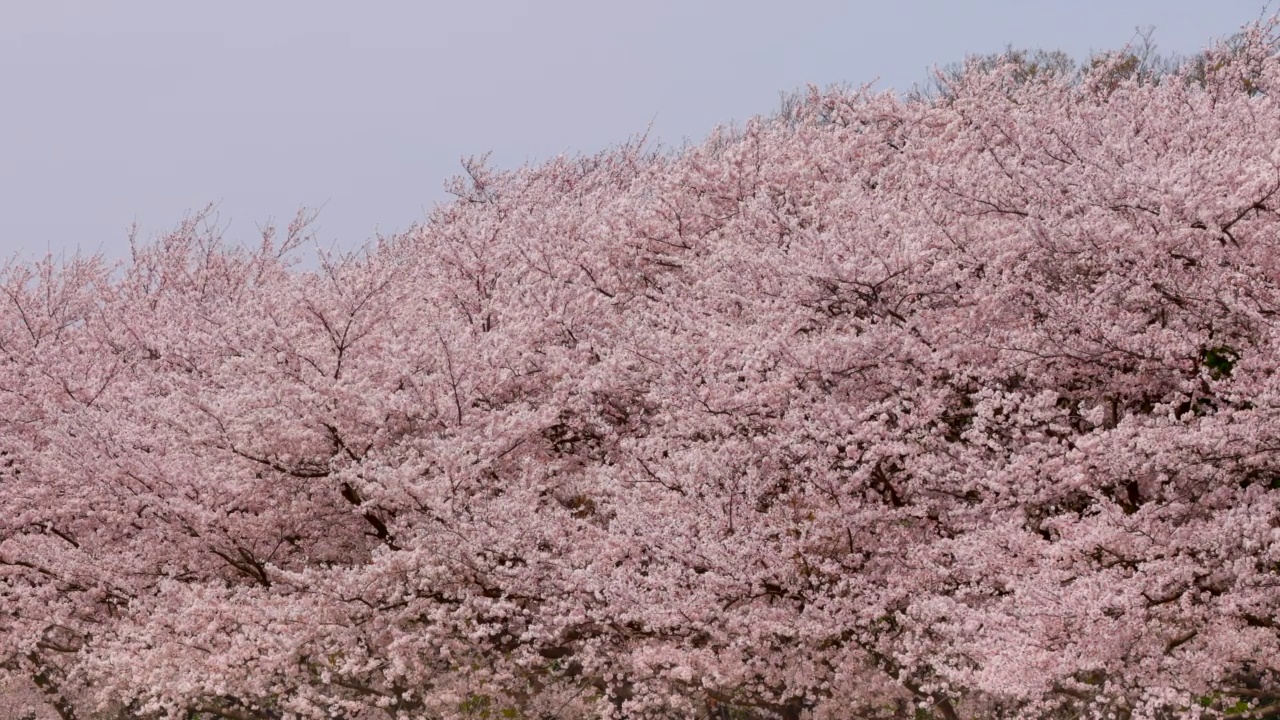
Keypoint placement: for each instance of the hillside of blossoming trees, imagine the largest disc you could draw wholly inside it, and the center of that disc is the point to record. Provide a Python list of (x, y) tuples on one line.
[(951, 407)]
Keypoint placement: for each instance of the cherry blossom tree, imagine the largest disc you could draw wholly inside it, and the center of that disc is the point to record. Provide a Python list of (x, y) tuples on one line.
[(961, 407)]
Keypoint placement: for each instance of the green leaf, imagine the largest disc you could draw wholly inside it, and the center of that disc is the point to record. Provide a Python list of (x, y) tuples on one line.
[(476, 705), (1240, 707), (1220, 361)]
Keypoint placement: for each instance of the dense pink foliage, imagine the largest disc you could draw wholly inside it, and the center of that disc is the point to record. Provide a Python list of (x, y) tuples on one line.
[(967, 405)]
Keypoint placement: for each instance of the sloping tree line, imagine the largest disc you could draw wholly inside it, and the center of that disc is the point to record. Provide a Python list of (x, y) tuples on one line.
[(952, 407)]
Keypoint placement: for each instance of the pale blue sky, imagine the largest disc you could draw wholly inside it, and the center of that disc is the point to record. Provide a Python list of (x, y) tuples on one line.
[(145, 109)]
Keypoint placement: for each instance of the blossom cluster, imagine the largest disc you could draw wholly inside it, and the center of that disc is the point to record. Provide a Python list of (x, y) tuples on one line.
[(965, 406)]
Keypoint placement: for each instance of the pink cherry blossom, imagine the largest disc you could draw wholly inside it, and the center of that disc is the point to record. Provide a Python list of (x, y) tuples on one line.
[(964, 405)]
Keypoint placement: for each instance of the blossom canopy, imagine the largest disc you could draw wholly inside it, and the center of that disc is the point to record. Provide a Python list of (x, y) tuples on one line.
[(964, 405)]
